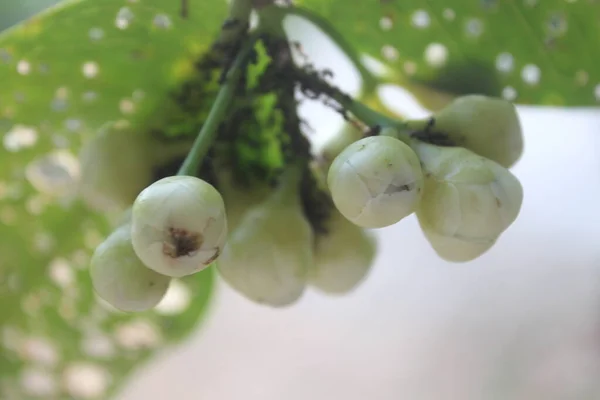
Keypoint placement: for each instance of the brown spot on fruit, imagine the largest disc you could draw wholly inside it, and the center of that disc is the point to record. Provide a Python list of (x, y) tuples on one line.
[(181, 243)]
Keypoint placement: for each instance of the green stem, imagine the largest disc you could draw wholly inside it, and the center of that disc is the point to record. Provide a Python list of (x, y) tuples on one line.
[(217, 113)]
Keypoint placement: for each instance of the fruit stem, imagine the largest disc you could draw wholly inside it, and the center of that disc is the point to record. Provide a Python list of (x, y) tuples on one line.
[(218, 111)]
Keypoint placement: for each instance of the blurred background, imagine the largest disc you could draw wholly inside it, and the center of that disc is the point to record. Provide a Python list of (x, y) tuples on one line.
[(521, 322)]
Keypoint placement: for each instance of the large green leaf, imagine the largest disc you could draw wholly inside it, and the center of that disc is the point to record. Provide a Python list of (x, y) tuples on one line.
[(529, 51), (63, 74)]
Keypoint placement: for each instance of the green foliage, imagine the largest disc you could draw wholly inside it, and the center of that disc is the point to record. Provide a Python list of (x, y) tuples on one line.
[(529, 51), (64, 73)]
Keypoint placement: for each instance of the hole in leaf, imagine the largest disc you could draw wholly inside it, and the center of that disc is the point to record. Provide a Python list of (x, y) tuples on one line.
[(137, 335), (85, 380), (474, 27), (20, 137), (162, 21), (531, 74), (73, 124), (38, 382), (436, 54), (420, 19), (23, 67), (386, 23), (39, 351), (390, 53), (127, 106), (374, 66), (96, 34), (90, 69), (98, 346), (61, 273), (59, 104), (449, 14), (89, 97), (124, 18), (509, 93), (557, 25), (505, 62)]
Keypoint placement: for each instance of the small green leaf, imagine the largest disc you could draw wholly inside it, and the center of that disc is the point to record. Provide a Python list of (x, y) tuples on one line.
[(528, 51), (65, 73)]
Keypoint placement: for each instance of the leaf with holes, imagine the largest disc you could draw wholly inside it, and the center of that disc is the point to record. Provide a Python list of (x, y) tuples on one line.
[(528, 51), (65, 73)]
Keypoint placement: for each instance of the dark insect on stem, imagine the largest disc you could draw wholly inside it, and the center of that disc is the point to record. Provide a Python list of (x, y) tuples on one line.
[(306, 127), (326, 74), (335, 106), (309, 94), (298, 47), (438, 139), (373, 131)]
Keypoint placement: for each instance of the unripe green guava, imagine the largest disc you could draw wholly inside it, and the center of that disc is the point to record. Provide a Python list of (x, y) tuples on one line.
[(121, 279), (117, 163), (485, 125), (343, 256), (267, 257)]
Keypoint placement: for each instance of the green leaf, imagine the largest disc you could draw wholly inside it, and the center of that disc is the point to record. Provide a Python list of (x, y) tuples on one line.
[(529, 51), (64, 74)]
